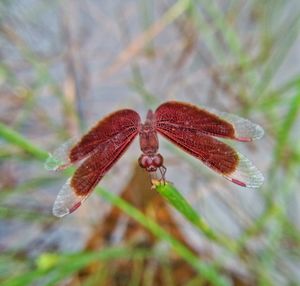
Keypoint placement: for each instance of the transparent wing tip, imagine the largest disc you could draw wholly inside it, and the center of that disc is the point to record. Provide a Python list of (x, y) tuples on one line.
[(255, 183), (66, 201), (246, 174), (255, 133), (258, 133), (245, 130), (60, 212), (258, 181), (261, 132)]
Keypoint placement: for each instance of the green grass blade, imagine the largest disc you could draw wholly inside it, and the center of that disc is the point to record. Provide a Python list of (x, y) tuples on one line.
[(170, 193), (287, 125), (18, 140)]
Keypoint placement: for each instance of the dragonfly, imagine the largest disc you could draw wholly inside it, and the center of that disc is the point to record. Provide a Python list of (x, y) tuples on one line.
[(194, 129)]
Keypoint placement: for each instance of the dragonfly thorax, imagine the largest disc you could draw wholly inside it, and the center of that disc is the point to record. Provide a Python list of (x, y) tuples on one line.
[(148, 136)]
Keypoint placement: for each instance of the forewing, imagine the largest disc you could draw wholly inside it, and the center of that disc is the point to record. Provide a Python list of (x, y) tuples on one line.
[(119, 123), (88, 175), (218, 156), (189, 118)]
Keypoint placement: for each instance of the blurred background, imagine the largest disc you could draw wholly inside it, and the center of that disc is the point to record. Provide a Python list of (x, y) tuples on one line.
[(66, 64)]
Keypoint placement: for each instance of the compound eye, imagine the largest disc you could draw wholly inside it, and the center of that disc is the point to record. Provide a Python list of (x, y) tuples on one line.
[(157, 160), (145, 161)]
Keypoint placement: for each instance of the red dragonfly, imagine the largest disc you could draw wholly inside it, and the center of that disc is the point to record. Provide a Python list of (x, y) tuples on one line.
[(190, 127)]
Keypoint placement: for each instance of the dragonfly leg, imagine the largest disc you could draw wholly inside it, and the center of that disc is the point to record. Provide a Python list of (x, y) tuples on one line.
[(163, 170)]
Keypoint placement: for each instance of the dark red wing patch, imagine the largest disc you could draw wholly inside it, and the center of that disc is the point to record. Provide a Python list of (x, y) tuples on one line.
[(114, 125), (192, 119), (88, 175), (215, 154), (90, 172), (218, 156)]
